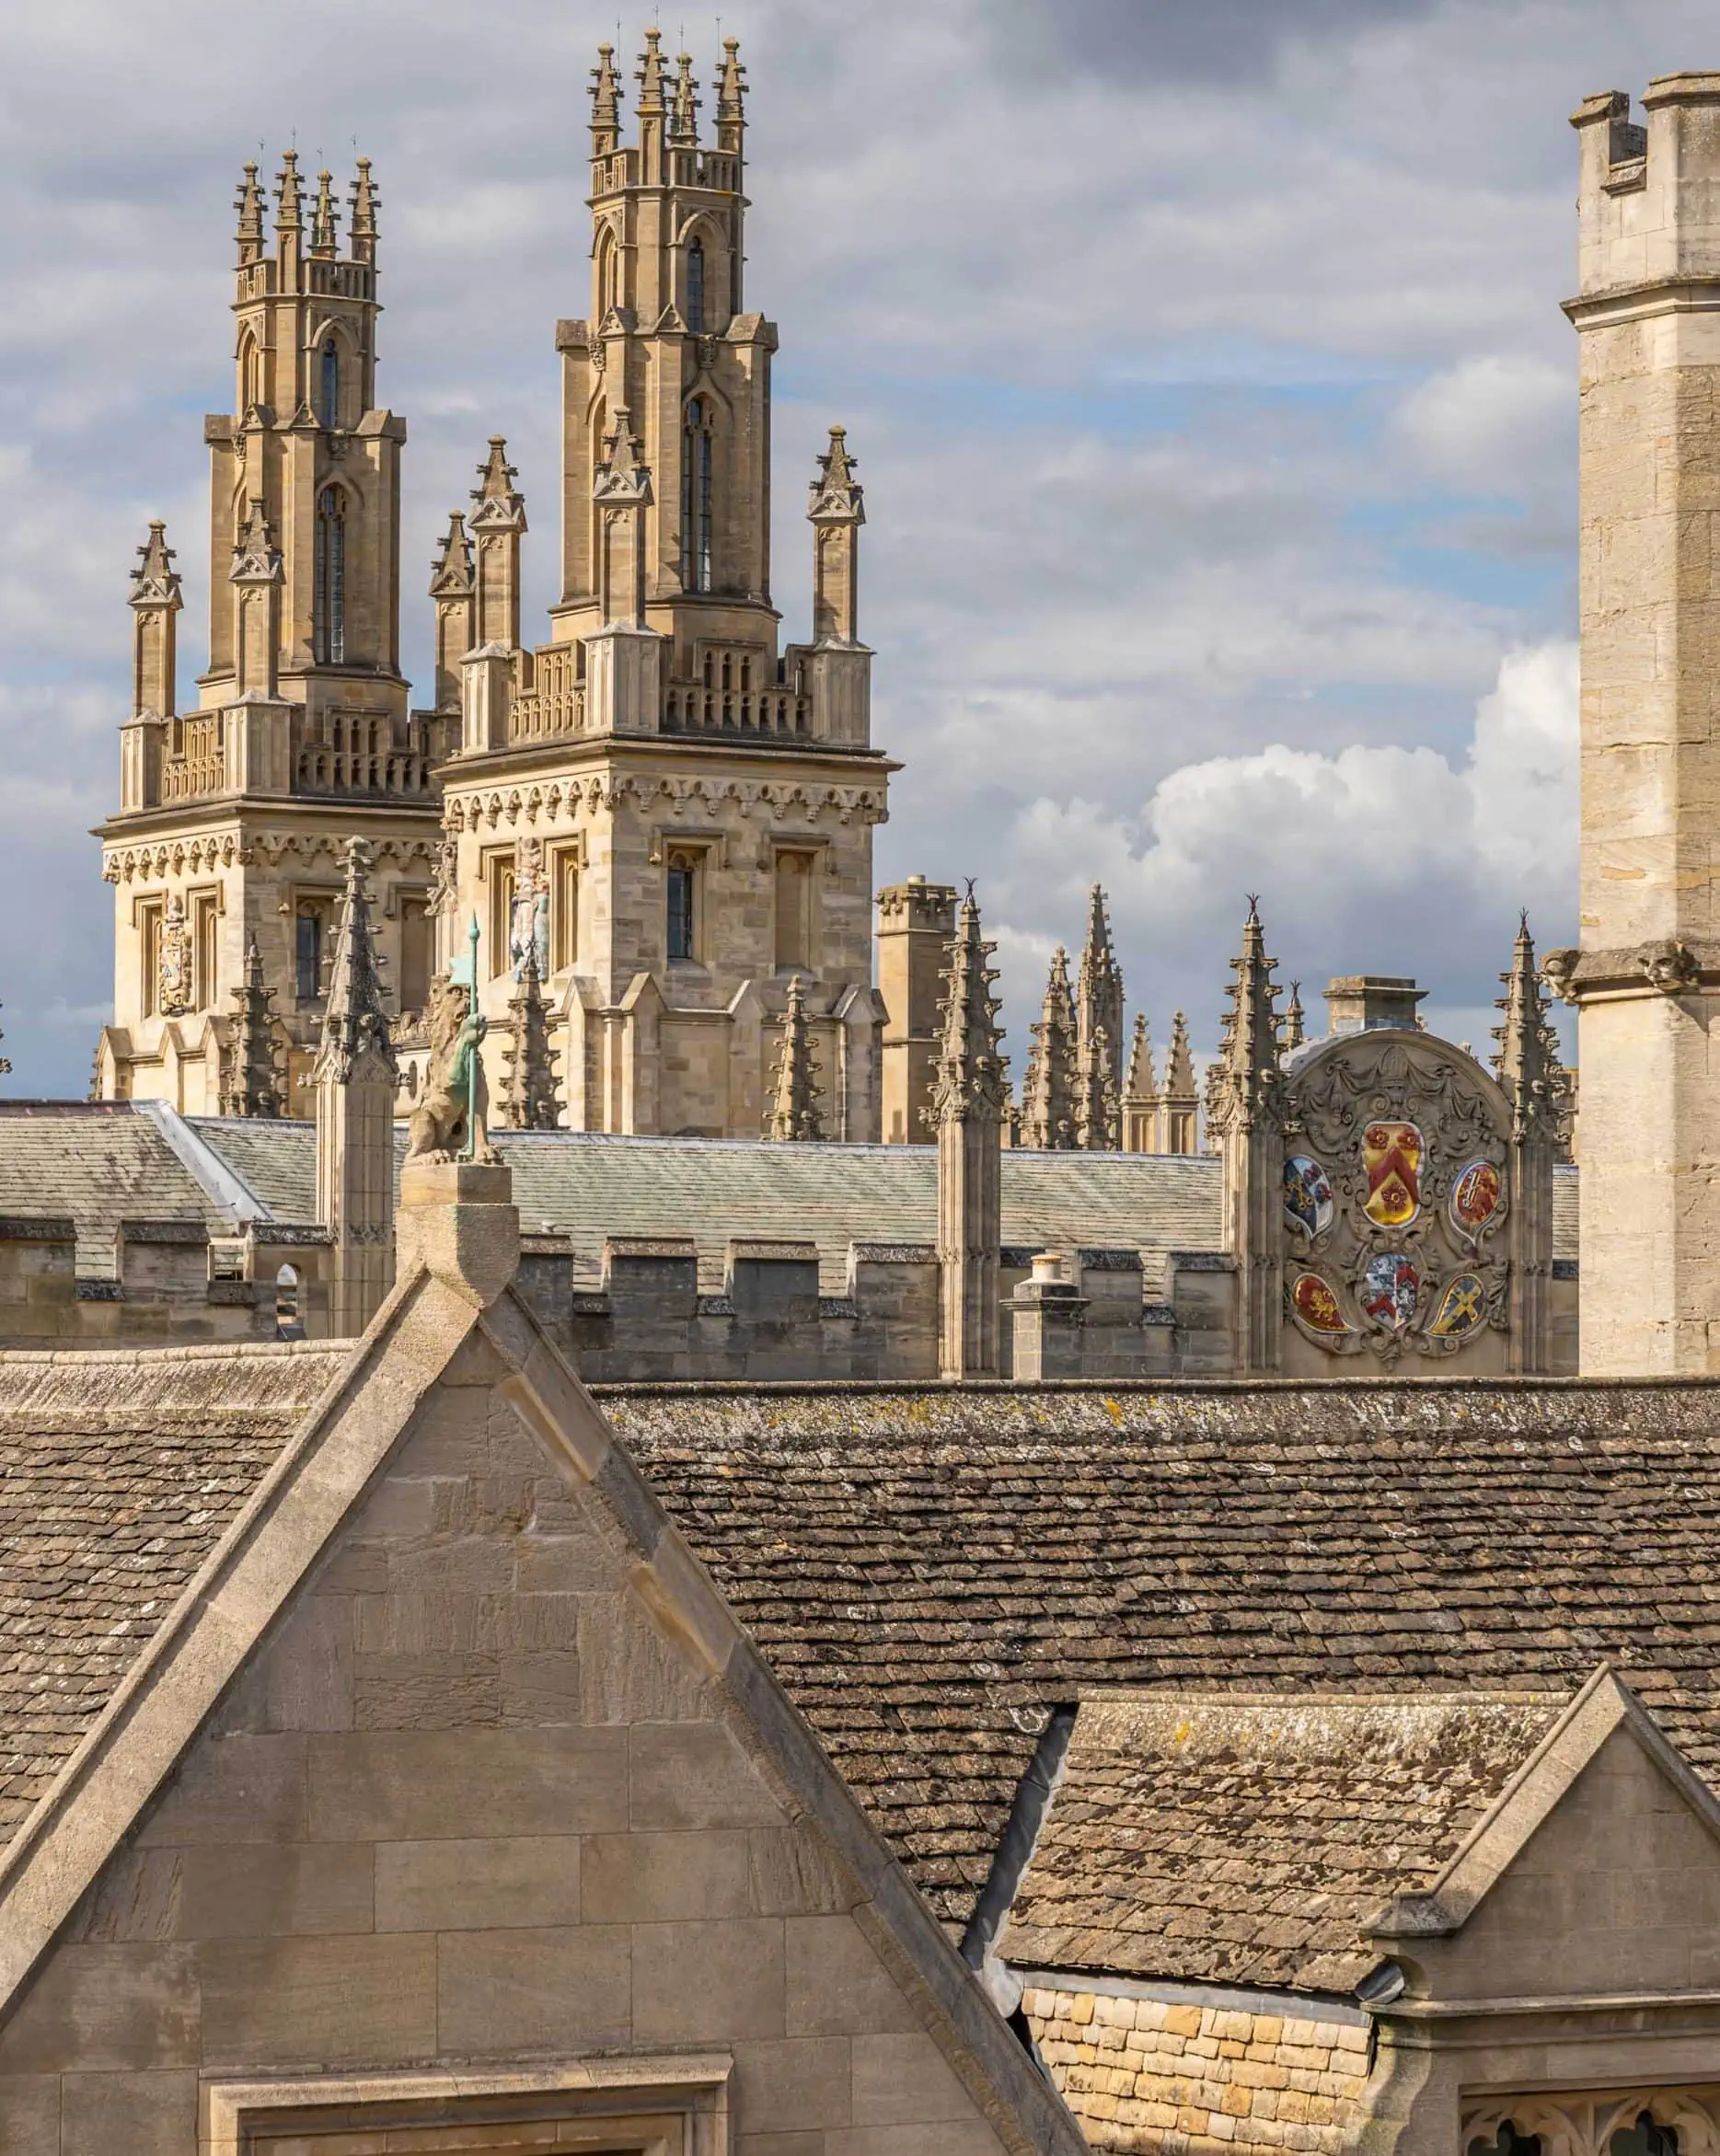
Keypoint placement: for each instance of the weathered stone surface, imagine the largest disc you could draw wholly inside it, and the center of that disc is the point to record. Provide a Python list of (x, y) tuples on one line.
[(484, 1886)]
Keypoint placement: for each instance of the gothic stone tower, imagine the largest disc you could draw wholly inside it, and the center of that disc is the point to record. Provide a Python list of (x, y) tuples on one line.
[(1647, 975), (234, 819), (678, 811)]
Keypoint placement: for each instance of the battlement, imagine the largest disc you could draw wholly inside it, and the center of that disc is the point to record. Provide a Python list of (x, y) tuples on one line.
[(1648, 196)]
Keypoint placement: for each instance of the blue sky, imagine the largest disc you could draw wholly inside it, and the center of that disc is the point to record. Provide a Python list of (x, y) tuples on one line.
[(1205, 366)]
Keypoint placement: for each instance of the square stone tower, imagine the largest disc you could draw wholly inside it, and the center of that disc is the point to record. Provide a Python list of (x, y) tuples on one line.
[(227, 853), (1647, 975), (676, 811)]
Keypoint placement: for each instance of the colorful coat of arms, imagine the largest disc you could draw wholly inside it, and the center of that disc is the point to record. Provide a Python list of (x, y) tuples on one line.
[(1462, 1310), (1315, 1304), (1391, 1289), (1391, 1155), (1307, 1195), (1475, 1195)]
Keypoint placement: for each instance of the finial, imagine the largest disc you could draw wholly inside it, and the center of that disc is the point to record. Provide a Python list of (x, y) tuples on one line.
[(731, 92), (451, 575), (1141, 1086), (837, 495), (499, 507), (528, 1088), (249, 206), (1048, 1087), (325, 218), (154, 582), (606, 103), (362, 218), (289, 195), (251, 1077), (970, 1078), (1294, 1022), (684, 120), (649, 77), (795, 1116), (1251, 1082), (1527, 1063), (355, 1025)]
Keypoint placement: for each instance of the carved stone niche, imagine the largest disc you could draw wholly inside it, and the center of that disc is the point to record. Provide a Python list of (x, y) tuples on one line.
[(1397, 1206)]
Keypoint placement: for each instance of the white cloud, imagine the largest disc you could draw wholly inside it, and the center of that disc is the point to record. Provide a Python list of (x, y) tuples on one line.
[(1492, 421)]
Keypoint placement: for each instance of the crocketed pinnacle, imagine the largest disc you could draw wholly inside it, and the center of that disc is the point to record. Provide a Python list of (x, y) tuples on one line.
[(325, 234), (1099, 998), (154, 581), (1250, 1052), (256, 557), (731, 95), (361, 219), (1141, 1084), (249, 206), (1295, 1023), (795, 1116), (836, 496), (1179, 1070), (649, 77), (451, 574), (969, 1078), (289, 195), (528, 1088), (354, 1026), (606, 103), (1096, 1105), (498, 506), (684, 117), (1525, 1062), (250, 1077), (1049, 1089)]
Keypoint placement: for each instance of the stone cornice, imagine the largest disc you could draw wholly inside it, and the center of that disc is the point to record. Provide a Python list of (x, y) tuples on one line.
[(1635, 302)]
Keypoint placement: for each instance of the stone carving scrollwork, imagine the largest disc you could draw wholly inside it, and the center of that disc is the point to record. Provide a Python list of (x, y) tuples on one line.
[(1397, 1175)]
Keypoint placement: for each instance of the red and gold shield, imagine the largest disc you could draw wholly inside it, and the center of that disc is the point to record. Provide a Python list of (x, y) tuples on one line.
[(1391, 1154)]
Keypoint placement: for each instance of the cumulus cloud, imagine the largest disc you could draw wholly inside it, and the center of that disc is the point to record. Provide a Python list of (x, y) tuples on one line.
[(1385, 859)]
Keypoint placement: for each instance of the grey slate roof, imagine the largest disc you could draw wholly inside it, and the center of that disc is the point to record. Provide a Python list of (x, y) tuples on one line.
[(119, 1473), (1246, 1839), (930, 1570), (99, 1161)]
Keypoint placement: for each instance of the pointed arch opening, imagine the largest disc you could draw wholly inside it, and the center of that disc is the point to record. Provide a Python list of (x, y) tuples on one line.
[(329, 596), (608, 273), (250, 373), (328, 382), (696, 495), (695, 286)]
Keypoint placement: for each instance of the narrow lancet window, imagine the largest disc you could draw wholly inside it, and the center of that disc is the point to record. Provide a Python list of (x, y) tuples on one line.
[(330, 397), (696, 288), (695, 498), (329, 599), (681, 922)]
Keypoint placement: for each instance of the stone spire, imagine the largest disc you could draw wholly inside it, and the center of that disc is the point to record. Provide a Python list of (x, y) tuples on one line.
[(251, 1072), (1098, 1009), (498, 525), (155, 600), (606, 104), (325, 223), (1295, 1024), (361, 219), (650, 77), (730, 97), (1530, 1070), (1049, 1089), (794, 1115), (1180, 1104), (970, 1093), (528, 1089), (1249, 1124), (249, 206), (453, 587), (684, 117), (1140, 1094), (1249, 1050), (356, 1078), (1097, 1108), (289, 196), (835, 509)]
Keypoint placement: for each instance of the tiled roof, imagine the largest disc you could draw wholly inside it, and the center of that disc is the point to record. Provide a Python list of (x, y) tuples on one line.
[(930, 1570), (119, 1473), (1246, 1839), (99, 1161)]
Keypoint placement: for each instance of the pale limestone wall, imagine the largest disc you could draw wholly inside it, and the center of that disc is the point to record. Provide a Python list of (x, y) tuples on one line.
[(469, 1803), (1650, 473), (648, 1046), (1141, 2074)]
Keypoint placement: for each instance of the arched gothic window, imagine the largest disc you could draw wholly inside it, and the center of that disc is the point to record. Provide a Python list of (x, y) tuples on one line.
[(608, 293), (696, 287), (329, 398), (250, 373), (329, 599), (695, 498)]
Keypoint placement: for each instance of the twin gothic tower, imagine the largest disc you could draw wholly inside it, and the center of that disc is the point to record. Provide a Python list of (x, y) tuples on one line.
[(657, 819)]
